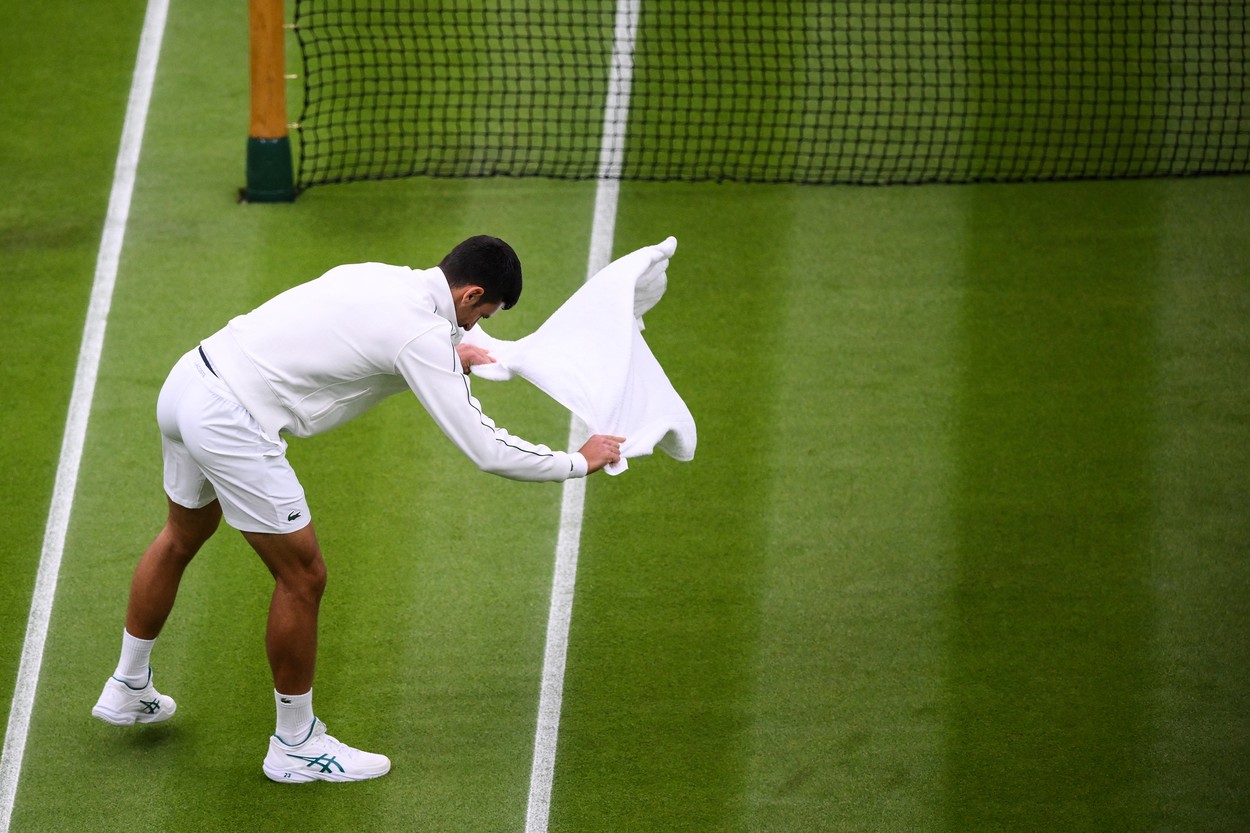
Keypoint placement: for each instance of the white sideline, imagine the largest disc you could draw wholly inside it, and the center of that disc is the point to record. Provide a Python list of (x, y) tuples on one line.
[(80, 407), (611, 154)]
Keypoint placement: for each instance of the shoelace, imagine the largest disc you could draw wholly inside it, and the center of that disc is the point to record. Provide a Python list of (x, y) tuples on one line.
[(339, 748), (332, 744)]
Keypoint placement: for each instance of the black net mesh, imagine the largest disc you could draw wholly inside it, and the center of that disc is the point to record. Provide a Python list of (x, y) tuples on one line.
[(808, 92)]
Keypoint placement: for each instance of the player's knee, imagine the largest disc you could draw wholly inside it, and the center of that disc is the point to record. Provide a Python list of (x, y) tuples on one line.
[(305, 580), (315, 577), (294, 560)]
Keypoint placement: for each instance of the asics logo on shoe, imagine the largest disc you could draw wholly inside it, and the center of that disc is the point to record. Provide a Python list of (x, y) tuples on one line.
[(326, 762), (293, 516), (150, 706)]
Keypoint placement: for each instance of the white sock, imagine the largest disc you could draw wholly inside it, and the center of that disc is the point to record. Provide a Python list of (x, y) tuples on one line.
[(295, 717), (132, 668)]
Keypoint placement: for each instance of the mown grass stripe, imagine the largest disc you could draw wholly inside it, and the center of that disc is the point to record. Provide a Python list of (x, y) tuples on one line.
[(1051, 614), (603, 230), (80, 408)]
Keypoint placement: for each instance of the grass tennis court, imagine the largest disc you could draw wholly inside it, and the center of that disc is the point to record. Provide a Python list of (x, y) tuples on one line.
[(964, 547)]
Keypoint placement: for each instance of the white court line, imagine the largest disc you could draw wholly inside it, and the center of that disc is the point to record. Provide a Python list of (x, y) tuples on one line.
[(80, 407), (611, 154)]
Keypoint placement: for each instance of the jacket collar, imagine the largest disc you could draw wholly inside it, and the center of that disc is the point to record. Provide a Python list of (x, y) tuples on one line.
[(444, 305)]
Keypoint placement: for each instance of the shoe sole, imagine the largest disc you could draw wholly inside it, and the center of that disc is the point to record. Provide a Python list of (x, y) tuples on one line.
[(286, 776)]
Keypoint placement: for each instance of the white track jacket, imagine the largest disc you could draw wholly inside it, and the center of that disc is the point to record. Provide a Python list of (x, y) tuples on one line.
[(326, 351)]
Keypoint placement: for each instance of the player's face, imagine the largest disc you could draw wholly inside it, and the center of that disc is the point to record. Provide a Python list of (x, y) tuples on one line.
[(469, 314)]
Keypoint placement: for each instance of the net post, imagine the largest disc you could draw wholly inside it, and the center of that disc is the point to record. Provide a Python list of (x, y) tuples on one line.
[(270, 174)]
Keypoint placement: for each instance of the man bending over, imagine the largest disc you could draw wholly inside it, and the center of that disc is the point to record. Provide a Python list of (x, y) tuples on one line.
[(309, 360)]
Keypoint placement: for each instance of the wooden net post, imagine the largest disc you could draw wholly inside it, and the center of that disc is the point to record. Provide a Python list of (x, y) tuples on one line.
[(270, 174)]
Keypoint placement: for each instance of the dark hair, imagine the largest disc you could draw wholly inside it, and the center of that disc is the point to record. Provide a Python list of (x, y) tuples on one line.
[(487, 262)]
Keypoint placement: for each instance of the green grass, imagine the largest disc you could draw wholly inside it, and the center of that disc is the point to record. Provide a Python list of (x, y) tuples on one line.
[(56, 187), (1052, 602), (963, 547)]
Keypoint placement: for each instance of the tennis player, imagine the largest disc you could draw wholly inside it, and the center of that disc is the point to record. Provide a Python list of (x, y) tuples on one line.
[(307, 361)]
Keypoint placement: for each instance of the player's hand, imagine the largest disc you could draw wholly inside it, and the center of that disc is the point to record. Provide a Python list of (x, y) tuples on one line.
[(600, 450), (471, 354)]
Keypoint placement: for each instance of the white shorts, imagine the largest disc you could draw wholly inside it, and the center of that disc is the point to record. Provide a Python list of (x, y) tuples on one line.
[(215, 450)]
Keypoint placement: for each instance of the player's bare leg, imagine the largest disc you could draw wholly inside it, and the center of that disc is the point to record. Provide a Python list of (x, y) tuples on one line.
[(155, 584), (300, 750), (299, 573), (129, 696)]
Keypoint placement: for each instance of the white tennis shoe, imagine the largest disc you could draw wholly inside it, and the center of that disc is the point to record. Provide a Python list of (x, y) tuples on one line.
[(321, 757), (124, 705)]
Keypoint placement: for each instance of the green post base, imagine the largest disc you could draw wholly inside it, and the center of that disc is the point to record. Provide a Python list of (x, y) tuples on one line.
[(270, 176)]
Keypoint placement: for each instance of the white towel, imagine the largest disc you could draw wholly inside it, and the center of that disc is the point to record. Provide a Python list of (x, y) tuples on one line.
[(590, 357)]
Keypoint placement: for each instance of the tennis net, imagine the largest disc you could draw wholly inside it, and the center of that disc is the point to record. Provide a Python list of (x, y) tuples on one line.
[(806, 92)]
